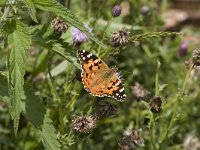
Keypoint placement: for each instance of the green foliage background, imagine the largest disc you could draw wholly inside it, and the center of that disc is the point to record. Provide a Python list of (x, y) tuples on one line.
[(38, 114)]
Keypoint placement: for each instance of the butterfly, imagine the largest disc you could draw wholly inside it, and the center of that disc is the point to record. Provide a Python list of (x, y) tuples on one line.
[(98, 79)]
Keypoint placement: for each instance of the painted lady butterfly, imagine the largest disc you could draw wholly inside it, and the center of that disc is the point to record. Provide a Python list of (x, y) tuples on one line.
[(98, 79)]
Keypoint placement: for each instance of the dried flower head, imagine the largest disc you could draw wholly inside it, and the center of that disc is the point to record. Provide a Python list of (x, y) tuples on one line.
[(183, 49), (144, 10), (105, 110), (79, 37), (196, 57), (116, 11), (156, 104), (59, 25), (119, 38), (131, 139), (139, 92), (191, 142), (83, 124)]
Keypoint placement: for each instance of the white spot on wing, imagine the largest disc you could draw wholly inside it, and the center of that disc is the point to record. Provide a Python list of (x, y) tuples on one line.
[(89, 55), (121, 90)]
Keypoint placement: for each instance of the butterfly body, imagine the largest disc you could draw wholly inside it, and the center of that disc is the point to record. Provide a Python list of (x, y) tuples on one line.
[(98, 78)]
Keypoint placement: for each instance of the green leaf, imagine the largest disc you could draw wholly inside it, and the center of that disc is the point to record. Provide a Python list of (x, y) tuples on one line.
[(18, 41), (31, 9), (34, 111), (2, 2), (56, 8), (48, 134)]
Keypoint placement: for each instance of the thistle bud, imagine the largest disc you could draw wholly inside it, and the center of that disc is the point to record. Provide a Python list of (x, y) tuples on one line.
[(156, 104), (144, 10), (116, 11)]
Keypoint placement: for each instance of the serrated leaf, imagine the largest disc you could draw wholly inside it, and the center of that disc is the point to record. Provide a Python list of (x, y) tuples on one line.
[(31, 9), (49, 137), (56, 8), (34, 110), (18, 41)]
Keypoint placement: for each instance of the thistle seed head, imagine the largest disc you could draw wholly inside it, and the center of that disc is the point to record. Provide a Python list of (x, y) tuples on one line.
[(119, 38), (83, 124), (59, 25)]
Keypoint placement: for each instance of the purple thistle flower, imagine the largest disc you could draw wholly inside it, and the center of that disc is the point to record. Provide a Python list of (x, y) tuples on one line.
[(183, 49), (78, 36)]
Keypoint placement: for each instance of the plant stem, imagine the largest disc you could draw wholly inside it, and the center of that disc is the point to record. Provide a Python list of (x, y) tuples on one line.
[(137, 115), (176, 105), (104, 33), (151, 129), (156, 80), (187, 77), (57, 98), (156, 85)]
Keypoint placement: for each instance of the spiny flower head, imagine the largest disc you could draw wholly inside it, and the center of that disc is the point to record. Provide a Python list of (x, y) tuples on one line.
[(196, 57), (83, 124), (119, 38), (59, 25)]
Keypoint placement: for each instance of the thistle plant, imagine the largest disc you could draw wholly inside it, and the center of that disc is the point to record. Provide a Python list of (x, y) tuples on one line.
[(45, 100)]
